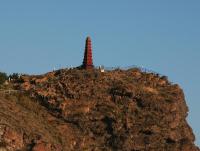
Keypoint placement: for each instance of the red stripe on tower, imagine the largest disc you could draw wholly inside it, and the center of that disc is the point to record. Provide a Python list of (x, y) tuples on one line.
[(87, 61)]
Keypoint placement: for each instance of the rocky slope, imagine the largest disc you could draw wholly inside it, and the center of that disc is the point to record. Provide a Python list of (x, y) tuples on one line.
[(86, 110)]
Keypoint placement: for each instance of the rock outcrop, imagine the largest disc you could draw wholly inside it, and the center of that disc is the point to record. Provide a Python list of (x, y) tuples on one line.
[(72, 110)]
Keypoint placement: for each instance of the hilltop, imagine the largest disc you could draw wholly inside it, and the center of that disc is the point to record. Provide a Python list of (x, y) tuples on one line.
[(73, 109)]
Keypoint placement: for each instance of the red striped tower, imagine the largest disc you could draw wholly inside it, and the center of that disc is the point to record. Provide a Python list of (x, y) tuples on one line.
[(87, 61)]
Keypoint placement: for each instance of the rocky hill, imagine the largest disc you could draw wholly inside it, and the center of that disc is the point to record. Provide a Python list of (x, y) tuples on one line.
[(87, 110)]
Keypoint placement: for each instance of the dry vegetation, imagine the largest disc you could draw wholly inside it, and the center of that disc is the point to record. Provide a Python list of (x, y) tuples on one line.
[(75, 110)]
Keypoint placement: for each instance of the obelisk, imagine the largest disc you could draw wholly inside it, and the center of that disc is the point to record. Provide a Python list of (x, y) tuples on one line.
[(87, 61)]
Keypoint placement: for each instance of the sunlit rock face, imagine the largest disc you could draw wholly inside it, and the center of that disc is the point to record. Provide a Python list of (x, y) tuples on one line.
[(72, 110)]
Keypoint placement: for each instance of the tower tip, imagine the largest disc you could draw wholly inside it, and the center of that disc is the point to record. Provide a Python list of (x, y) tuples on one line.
[(88, 38)]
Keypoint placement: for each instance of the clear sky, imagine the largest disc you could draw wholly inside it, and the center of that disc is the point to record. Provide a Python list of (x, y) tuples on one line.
[(38, 35)]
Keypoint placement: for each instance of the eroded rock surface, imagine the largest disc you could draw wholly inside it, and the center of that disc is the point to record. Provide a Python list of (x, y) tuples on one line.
[(72, 110)]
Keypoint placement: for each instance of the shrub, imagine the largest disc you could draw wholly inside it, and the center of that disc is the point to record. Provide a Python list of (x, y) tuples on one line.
[(14, 76), (120, 89), (3, 77)]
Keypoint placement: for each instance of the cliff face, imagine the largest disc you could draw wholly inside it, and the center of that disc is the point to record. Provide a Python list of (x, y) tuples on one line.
[(73, 110)]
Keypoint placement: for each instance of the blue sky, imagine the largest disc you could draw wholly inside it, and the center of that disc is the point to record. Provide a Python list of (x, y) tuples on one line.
[(36, 36)]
